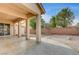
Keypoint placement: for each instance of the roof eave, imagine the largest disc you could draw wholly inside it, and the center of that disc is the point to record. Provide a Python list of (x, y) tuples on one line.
[(41, 8)]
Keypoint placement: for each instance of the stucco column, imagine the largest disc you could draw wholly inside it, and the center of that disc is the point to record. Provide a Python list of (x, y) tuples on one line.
[(13, 29), (27, 29), (18, 29), (38, 28)]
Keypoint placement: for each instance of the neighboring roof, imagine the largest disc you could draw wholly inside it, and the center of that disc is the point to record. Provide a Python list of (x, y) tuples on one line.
[(41, 8)]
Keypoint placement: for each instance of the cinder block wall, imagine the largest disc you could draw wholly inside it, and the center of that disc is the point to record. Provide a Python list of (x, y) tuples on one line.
[(64, 31), (59, 31)]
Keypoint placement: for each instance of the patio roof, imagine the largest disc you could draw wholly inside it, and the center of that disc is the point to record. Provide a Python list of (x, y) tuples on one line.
[(11, 11), (41, 8)]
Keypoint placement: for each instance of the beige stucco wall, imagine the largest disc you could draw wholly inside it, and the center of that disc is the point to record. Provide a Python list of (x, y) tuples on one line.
[(22, 27)]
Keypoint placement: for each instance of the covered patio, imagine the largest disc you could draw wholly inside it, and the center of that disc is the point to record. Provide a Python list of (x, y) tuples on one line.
[(14, 19), (14, 45), (15, 32)]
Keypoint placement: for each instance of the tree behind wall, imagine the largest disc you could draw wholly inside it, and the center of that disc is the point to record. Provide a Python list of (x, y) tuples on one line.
[(66, 16), (63, 18), (33, 23), (53, 21)]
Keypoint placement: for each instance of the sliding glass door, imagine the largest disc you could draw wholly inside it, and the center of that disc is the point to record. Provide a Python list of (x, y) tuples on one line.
[(7, 29), (4, 29), (1, 29)]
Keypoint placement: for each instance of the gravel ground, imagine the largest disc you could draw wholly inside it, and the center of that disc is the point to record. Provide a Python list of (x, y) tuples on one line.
[(72, 41)]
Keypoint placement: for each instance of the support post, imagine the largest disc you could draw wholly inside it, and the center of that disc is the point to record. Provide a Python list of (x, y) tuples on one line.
[(18, 29), (13, 29), (27, 30), (38, 28)]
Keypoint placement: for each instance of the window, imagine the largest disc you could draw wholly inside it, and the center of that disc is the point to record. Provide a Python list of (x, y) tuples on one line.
[(4, 29), (7, 29), (1, 29)]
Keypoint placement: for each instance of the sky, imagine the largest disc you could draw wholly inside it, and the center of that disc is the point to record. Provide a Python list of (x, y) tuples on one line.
[(53, 8)]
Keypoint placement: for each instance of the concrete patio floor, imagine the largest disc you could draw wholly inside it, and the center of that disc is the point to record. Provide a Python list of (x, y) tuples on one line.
[(20, 46)]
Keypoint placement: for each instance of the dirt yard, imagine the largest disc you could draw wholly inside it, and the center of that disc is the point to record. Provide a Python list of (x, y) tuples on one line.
[(72, 41)]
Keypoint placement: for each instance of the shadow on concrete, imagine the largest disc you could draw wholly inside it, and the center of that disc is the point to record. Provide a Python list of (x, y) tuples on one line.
[(48, 49)]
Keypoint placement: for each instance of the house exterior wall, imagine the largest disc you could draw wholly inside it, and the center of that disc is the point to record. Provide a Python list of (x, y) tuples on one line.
[(14, 31), (22, 27)]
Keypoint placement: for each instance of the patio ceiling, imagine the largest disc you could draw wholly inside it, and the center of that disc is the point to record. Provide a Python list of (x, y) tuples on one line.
[(4, 16), (13, 11)]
